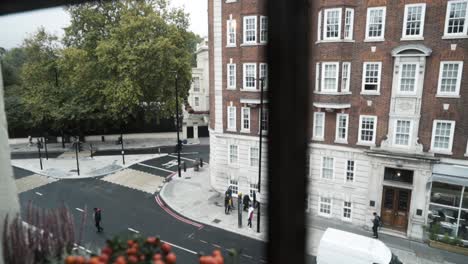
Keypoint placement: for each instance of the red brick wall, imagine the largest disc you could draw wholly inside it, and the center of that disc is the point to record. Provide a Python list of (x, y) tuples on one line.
[(359, 51)]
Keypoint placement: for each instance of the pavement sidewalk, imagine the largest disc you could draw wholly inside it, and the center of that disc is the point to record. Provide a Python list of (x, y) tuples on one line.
[(192, 196), (143, 143), (65, 166)]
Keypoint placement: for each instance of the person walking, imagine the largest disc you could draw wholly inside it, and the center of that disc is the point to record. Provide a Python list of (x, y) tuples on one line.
[(250, 216), (226, 203), (229, 203), (246, 202), (97, 219), (375, 224)]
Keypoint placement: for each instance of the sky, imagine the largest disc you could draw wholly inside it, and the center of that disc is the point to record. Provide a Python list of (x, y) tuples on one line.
[(15, 28)]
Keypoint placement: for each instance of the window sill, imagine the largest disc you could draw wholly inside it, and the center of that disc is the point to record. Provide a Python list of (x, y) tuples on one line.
[(245, 131), (324, 215), (341, 141), (466, 155), (318, 139), (411, 38), (334, 41), (231, 130), (441, 151), (346, 220), (455, 36), (367, 144), (332, 93), (249, 90), (231, 88), (263, 43), (370, 93), (253, 44), (447, 96), (374, 40), (231, 46), (230, 1)]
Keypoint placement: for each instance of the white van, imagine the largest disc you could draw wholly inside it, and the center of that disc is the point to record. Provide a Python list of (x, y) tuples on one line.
[(338, 247)]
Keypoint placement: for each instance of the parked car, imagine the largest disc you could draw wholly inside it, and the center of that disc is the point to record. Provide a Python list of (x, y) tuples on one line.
[(338, 246)]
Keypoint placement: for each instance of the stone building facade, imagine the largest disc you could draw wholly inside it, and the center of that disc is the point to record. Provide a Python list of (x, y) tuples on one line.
[(197, 107)]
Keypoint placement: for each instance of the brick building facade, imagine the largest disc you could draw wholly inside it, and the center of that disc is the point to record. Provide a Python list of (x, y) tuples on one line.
[(388, 80)]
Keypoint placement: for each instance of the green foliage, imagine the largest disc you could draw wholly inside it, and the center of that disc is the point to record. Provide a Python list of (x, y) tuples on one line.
[(446, 239), (116, 58), (434, 231)]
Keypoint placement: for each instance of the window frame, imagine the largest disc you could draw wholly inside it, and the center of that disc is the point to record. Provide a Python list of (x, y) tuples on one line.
[(243, 129), (465, 28), (379, 78), (451, 138), (231, 24), (337, 132), (257, 157), (345, 88), (196, 101), (198, 82), (332, 168), (384, 15), (266, 114), (319, 28), (374, 131), (231, 126), (410, 133), (350, 207), (459, 79), (416, 81), (230, 182), (230, 160), (420, 36), (314, 132), (319, 206), (244, 76), (317, 76), (346, 170), (263, 41), (337, 74), (244, 29), (325, 16), (260, 75), (233, 87), (351, 24)]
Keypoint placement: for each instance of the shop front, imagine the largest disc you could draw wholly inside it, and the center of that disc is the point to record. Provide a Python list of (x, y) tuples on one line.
[(448, 204)]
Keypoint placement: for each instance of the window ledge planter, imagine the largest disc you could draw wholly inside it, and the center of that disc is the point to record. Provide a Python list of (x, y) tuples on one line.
[(448, 247)]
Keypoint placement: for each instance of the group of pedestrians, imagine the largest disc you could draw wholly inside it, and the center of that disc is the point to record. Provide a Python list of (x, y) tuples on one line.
[(244, 200)]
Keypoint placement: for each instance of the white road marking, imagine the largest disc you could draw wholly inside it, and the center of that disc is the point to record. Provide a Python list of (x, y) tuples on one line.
[(38, 193), (79, 209), (247, 256), (179, 247), (170, 164), (191, 235), (203, 241), (214, 245), (154, 167), (186, 153), (183, 158), (133, 230)]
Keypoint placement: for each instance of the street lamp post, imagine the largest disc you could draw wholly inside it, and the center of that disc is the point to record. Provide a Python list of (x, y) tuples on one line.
[(262, 82), (121, 143), (177, 124), (39, 151), (45, 148), (77, 145)]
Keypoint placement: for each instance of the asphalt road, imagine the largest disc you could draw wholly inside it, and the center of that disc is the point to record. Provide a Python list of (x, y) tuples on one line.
[(125, 208)]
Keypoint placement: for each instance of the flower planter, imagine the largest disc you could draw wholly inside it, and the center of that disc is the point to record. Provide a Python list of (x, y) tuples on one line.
[(447, 247)]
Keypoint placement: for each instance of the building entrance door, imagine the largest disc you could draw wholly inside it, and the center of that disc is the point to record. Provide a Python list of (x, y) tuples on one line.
[(395, 208)]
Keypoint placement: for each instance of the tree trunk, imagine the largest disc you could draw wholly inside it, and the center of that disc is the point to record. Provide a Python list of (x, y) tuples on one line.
[(9, 204)]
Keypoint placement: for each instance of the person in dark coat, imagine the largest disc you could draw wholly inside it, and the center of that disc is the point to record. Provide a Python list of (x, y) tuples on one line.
[(97, 219), (226, 203), (375, 224), (246, 202)]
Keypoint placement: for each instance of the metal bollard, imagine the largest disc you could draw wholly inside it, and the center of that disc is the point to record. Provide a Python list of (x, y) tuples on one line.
[(201, 162), (185, 167)]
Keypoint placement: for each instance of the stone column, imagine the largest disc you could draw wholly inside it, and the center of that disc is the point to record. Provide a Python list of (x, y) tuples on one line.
[(9, 204), (195, 131)]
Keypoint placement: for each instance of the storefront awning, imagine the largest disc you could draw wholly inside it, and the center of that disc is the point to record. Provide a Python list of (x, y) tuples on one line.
[(452, 174)]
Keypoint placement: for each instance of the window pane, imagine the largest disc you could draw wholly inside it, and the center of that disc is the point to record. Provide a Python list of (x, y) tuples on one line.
[(264, 29), (330, 77), (465, 199), (333, 24), (442, 135), (367, 129), (456, 20), (449, 77), (402, 133), (371, 76), (250, 29), (444, 217), (413, 21), (446, 194), (375, 23), (408, 77)]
